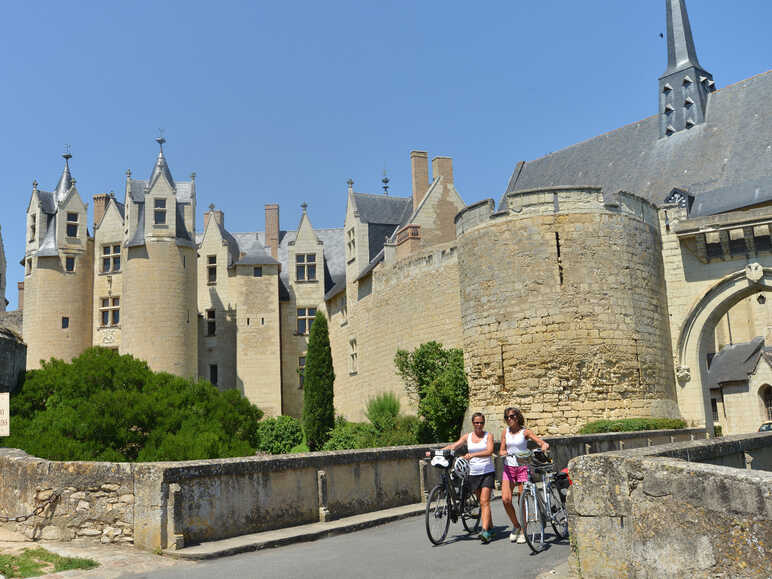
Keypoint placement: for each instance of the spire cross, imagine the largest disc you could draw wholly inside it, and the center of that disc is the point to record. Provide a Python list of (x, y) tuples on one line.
[(160, 139)]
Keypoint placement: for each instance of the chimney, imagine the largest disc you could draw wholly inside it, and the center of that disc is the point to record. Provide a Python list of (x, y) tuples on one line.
[(419, 166), (100, 206), (443, 167), (272, 228), (20, 285)]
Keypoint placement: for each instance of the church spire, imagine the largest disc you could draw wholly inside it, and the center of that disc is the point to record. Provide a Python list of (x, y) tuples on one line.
[(65, 181), (684, 88)]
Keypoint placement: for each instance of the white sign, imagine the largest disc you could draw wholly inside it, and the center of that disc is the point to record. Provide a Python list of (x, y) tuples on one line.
[(5, 414)]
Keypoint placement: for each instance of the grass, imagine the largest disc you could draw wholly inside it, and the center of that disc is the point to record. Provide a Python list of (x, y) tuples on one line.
[(34, 562)]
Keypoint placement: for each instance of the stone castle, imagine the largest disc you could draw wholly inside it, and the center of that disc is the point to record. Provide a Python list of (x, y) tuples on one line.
[(626, 275)]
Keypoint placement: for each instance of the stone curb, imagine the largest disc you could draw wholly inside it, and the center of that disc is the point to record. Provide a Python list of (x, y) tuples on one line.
[(287, 536)]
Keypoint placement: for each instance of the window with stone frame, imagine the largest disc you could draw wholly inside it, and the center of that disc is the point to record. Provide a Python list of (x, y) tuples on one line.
[(301, 371), (257, 271), (111, 258), (351, 244), (32, 227), (72, 225), (65, 322), (305, 267), (110, 311), (343, 310), (305, 319), (159, 211), (211, 269), (69, 263), (768, 402), (211, 323), (213, 371), (353, 356)]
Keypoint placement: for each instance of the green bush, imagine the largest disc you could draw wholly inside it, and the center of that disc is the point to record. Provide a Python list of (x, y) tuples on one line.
[(717, 431), (632, 424), (107, 407), (278, 435), (318, 409), (405, 431), (347, 435), (436, 377), (382, 411)]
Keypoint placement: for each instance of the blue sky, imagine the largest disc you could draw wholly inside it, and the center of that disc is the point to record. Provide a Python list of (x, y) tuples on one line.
[(283, 102)]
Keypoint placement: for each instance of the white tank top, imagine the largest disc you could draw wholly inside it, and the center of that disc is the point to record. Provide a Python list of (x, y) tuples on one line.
[(479, 464), (515, 443)]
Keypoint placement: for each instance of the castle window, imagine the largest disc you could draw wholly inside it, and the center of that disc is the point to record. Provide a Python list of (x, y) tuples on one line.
[(110, 311), (353, 356), (111, 258), (213, 373), (714, 409), (159, 214), (305, 319), (211, 323), (69, 264), (305, 267), (72, 225), (351, 244), (211, 269), (28, 267), (343, 311), (301, 370), (65, 323), (258, 271), (32, 228)]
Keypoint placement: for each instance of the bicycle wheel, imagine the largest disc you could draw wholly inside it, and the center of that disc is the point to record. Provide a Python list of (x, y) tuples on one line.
[(559, 517), (437, 514), (470, 516), (532, 521)]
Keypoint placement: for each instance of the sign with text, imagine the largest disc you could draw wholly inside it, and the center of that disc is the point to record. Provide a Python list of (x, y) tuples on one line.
[(5, 414)]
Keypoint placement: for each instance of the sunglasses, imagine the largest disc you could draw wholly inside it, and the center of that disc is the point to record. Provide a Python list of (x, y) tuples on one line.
[(511, 416), (480, 423)]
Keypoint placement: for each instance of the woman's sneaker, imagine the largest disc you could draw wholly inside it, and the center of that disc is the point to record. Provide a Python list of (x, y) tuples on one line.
[(515, 535), (485, 537)]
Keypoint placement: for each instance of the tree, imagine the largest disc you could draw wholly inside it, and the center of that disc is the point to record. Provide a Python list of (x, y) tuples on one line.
[(435, 376), (318, 408), (103, 406)]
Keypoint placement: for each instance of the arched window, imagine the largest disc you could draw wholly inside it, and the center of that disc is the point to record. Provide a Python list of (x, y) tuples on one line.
[(766, 397)]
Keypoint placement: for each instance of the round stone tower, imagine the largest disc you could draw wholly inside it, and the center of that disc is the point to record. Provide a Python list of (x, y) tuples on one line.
[(159, 320), (564, 310)]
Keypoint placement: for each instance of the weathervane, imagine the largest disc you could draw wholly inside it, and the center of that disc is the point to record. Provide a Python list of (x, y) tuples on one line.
[(385, 182)]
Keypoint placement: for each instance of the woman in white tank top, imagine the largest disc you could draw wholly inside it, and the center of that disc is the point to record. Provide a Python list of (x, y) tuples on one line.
[(515, 439), (479, 451)]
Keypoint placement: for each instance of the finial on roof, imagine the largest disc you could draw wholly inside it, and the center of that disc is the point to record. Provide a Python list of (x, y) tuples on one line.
[(304, 205), (680, 44), (67, 155), (385, 182), (160, 140), (350, 184), (34, 184), (211, 207), (65, 181), (128, 172), (193, 176)]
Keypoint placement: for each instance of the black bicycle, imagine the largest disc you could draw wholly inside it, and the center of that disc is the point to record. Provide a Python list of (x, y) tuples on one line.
[(451, 499)]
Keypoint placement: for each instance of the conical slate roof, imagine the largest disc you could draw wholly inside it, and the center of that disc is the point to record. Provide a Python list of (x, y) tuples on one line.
[(65, 181), (161, 168)]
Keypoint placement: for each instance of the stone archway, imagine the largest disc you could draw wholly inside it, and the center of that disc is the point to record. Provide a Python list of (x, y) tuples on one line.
[(691, 369)]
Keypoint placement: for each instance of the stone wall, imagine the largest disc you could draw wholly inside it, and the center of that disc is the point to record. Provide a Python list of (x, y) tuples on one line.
[(685, 509), (13, 359), (564, 310)]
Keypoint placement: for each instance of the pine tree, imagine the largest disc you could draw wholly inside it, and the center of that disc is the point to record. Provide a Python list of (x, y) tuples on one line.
[(318, 408)]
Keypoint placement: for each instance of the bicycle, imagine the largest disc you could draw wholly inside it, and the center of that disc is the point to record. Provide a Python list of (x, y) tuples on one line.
[(536, 506), (451, 499)]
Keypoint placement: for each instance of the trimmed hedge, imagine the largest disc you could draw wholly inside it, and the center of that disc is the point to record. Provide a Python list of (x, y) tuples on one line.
[(632, 425)]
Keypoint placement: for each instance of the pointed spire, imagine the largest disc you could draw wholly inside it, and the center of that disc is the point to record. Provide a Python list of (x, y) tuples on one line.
[(304, 206), (65, 181), (680, 44), (161, 168), (350, 184)]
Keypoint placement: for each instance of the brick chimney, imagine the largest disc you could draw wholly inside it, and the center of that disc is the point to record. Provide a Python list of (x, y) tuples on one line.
[(20, 286), (100, 206), (443, 167), (419, 167), (272, 228)]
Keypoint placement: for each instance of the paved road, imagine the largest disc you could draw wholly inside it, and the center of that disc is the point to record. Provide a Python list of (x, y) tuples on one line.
[(398, 549)]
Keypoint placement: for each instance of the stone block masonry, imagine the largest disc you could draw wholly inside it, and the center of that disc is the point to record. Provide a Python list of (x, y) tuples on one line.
[(564, 310)]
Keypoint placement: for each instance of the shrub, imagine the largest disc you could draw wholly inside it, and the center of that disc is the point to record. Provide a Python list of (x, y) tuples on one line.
[(278, 435), (632, 424), (346, 435), (318, 409), (103, 406), (382, 411), (405, 431), (436, 377)]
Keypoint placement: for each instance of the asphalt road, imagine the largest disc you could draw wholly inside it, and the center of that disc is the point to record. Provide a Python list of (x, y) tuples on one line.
[(399, 549)]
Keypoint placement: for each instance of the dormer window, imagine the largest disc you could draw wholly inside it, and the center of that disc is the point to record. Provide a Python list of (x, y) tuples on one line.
[(159, 213), (32, 228), (305, 267), (72, 225)]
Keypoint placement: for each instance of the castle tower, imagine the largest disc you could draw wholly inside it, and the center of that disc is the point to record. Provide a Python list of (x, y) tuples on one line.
[(58, 273), (685, 86), (563, 308), (159, 296)]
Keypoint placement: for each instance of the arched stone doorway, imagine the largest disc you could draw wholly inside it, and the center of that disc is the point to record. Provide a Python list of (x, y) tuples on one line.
[(696, 334), (765, 396)]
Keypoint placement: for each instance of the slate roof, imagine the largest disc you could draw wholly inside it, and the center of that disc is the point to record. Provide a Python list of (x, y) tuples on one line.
[(730, 198), (730, 148), (383, 209), (734, 363)]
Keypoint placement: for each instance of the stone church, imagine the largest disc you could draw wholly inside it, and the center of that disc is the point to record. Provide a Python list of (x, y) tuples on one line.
[(626, 275)]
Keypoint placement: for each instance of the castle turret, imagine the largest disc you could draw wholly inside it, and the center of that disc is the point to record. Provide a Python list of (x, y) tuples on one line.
[(58, 272), (159, 296)]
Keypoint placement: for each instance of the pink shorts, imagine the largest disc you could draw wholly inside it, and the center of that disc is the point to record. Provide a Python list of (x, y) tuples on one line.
[(516, 474)]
